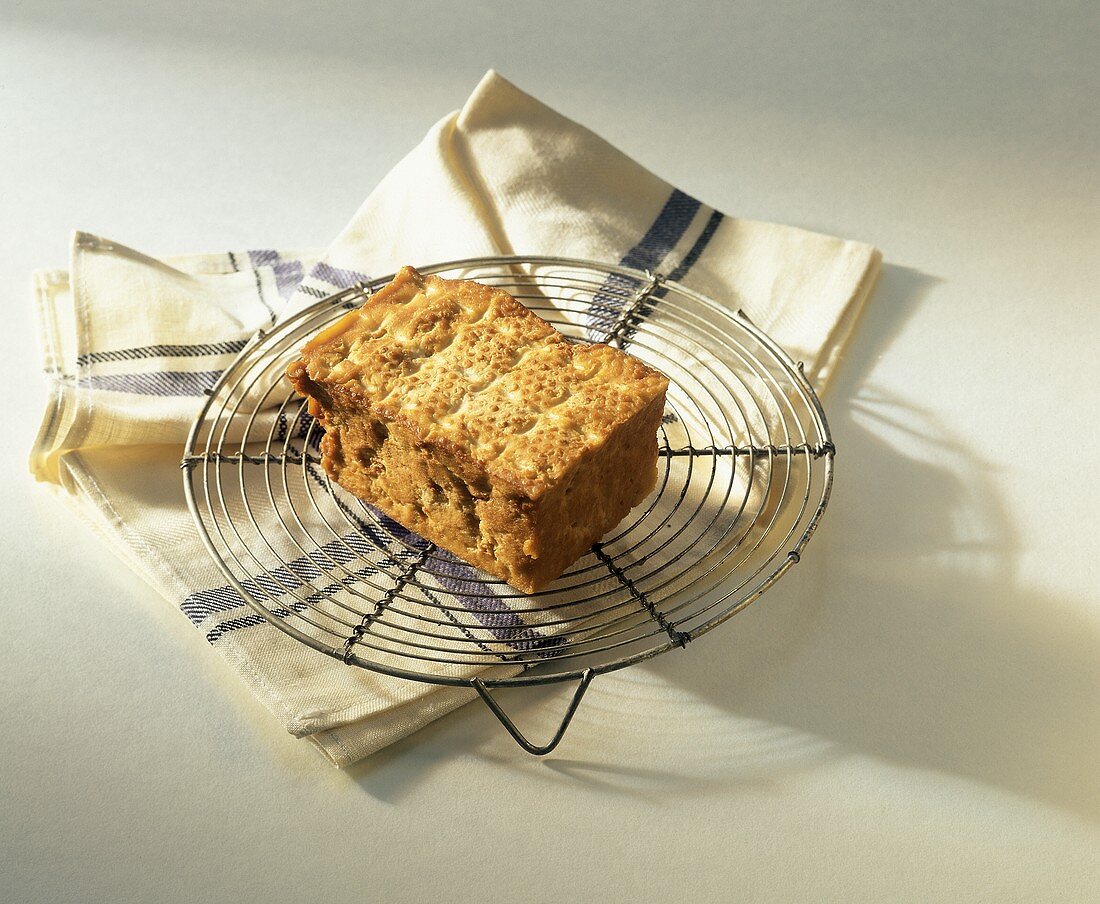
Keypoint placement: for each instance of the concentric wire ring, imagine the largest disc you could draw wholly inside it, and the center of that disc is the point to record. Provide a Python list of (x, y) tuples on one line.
[(745, 470)]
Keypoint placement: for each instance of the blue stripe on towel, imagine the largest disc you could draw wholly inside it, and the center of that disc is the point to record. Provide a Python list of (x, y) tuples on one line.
[(661, 238), (681, 269), (154, 383), (288, 271), (713, 222), (292, 575), (669, 227), (337, 276), (163, 351)]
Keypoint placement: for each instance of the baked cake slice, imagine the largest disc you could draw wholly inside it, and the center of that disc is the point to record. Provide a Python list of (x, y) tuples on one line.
[(469, 419)]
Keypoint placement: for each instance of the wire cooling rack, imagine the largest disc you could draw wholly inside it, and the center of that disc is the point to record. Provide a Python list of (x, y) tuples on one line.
[(745, 470)]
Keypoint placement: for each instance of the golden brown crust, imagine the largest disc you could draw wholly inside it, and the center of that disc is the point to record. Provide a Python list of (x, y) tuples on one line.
[(439, 395)]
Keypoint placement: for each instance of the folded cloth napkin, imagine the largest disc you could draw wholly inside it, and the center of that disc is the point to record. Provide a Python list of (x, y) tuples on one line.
[(130, 344)]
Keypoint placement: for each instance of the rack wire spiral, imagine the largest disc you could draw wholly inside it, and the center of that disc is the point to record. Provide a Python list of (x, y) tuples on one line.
[(745, 470)]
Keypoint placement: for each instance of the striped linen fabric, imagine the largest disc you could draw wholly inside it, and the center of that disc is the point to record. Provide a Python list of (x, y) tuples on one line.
[(131, 343)]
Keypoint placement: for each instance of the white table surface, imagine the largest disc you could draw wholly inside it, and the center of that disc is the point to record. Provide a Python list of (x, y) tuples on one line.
[(913, 714)]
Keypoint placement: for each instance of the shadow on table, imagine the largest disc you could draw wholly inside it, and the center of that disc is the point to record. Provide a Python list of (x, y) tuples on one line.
[(909, 635), (913, 640), (904, 634)]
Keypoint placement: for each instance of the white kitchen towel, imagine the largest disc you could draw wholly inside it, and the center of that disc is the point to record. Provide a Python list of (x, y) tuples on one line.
[(130, 344)]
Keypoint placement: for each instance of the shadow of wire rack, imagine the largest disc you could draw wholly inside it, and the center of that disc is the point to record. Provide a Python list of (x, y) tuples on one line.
[(745, 469)]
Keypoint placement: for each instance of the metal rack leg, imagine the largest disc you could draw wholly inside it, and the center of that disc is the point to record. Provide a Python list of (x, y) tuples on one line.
[(536, 749)]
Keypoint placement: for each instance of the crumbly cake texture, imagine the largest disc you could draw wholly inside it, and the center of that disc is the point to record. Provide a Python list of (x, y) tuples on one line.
[(469, 419)]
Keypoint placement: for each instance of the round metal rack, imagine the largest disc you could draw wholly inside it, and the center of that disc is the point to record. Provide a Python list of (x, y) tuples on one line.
[(745, 470)]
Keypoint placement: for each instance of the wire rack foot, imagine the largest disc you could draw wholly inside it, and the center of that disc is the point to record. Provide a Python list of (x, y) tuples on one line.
[(520, 738)]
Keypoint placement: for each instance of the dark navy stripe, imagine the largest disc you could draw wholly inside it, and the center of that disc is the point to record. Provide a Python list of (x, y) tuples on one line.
[(681, 269), (163, 351), (503, 623), (263, 257), (463, 630), (157, 383), (304, 420), (337, 276), (661, 237), (288, 272), (669, 227), (287, 577), (250, 621), (699, 247), (245, 621)]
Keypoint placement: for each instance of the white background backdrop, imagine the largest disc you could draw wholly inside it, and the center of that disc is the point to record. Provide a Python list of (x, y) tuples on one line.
[(912, 714)]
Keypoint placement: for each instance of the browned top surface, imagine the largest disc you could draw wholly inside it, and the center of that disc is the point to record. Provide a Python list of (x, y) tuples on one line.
[(468, 366)]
